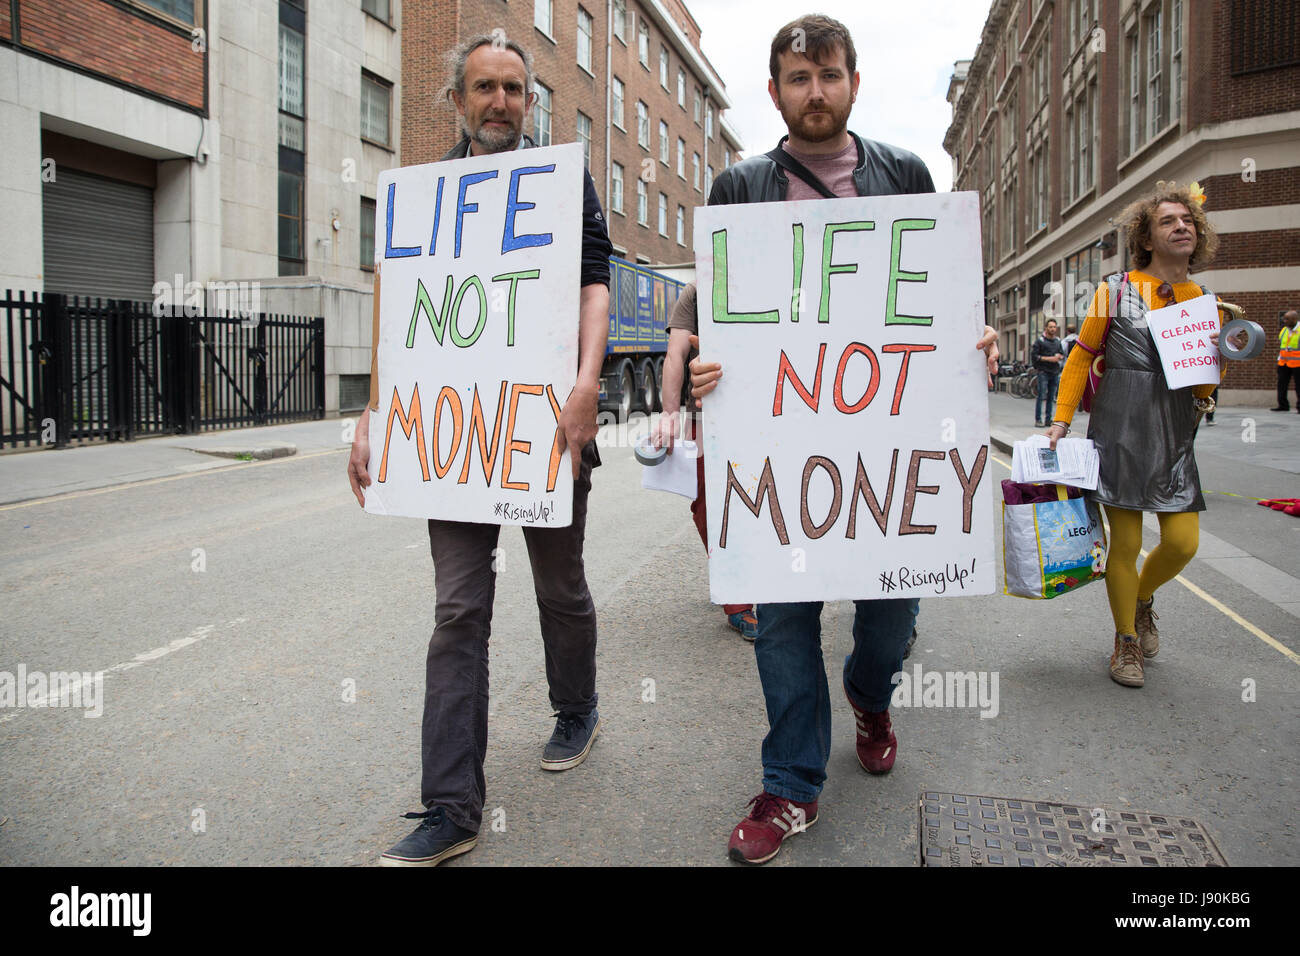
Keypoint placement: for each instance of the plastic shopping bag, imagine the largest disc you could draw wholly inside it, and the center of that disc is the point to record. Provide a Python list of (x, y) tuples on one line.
[(1051, 547)]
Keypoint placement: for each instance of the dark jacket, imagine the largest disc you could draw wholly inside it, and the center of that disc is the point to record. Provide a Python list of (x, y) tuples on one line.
[(1043, 346), (882, 170), (596, 247)]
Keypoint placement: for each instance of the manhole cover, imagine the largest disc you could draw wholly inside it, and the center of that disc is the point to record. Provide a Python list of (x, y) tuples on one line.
[(960, 829)]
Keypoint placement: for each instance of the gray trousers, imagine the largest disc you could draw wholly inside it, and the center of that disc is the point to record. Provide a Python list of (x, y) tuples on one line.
[(455, 727)]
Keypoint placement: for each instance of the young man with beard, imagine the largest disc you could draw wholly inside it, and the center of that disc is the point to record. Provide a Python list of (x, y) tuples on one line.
[(814, 89), (491, 87)]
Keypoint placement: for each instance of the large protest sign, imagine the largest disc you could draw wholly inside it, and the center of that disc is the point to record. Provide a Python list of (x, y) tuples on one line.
[(846, 446), (478, 337)]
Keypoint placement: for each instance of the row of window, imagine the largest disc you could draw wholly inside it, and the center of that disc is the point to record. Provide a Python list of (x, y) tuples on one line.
[(643, 204)]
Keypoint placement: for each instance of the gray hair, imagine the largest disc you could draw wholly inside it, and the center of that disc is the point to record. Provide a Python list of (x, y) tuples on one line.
[(459, 55)]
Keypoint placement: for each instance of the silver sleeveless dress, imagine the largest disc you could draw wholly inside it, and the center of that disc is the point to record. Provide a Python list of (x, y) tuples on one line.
[(1143, 431)]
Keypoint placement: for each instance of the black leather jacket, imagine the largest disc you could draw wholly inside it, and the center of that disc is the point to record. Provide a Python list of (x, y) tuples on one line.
[(882, 170)]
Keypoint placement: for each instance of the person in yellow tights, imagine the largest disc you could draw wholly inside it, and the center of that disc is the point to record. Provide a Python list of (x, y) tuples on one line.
[(1143, 430)]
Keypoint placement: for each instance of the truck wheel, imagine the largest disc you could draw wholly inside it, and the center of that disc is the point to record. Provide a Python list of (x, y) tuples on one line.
[(625, 398), (659, 380), (649, 387)]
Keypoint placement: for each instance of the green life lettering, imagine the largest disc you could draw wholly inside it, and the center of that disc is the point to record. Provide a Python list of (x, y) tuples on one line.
[(898, 274), (829, 268), (720, 311)]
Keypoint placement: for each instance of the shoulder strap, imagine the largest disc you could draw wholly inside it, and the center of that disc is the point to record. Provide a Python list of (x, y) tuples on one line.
[(792, 165), (1110, 316)]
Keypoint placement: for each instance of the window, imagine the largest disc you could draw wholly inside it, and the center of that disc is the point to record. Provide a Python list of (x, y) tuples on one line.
[(290, 223), (698, 115), (542, 116), (620, 20), (584, 137), (1009, 214), (367, 234), (708, 122), (1155, 86), (726, 158), (584, 39), (708, 179), (681, 157), (664, 147), (542, 16), (643, 43), (642, 213), (663, 67), (1009, 127), (1134, 95), (616, 187), (1176, 59), (681, 88), (695, 160), (617, 118), (376, 98), (663, 215), (180, 9), (377, 9), (291, 88), (681, 225), (643, 125), (1039, 183)]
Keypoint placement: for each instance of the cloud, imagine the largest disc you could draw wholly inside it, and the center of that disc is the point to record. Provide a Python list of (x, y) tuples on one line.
[(905, 52)]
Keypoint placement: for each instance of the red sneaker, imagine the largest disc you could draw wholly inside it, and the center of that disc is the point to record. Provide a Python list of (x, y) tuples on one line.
[(877, 745), (758, 837)]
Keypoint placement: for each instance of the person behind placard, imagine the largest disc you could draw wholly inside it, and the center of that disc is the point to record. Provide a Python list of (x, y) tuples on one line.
[(681, 326), (1288, 361), (814, 89), (1048, 354), (1142, 429), (492, 89)]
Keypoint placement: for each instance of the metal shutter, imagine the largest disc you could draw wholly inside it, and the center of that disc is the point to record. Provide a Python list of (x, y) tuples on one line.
[(98, 236)]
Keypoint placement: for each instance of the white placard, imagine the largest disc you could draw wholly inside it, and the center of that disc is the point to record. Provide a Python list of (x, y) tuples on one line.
[(1182, 335), (478, 337), (676, 473), (848, 437)]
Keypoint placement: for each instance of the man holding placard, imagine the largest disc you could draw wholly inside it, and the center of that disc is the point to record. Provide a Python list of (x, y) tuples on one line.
[(522, 215), (757, 450), (1158, 331)]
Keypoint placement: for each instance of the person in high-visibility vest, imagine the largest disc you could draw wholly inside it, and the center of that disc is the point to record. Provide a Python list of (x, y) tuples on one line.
[(1288, 360)]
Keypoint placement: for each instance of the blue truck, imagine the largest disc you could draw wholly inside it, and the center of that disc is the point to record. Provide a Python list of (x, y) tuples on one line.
[(640, 301)]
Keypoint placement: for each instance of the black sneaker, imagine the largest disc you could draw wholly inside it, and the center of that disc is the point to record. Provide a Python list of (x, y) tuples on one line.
[(434, 840), (571, 742)]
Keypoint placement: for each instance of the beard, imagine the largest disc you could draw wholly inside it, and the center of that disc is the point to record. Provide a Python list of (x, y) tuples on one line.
[(494, 140), (819, 128)]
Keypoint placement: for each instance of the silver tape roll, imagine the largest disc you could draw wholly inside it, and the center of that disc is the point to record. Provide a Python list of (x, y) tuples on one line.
[(1255, 339), (647, 454)]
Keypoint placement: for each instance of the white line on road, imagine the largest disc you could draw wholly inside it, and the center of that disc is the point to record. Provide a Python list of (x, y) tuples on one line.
[(196, 635)]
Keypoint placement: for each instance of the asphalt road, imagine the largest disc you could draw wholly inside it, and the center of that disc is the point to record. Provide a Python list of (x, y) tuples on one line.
[(264, 643)]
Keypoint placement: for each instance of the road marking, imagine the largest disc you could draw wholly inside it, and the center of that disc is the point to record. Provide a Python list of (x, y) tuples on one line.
[(244, 465), (1217, 605), (196, 635)]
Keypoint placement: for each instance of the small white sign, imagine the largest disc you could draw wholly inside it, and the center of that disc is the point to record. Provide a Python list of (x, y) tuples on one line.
[(1182, 335)]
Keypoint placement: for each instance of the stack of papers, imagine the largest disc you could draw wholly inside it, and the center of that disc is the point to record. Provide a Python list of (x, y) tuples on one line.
[(1074, 462)]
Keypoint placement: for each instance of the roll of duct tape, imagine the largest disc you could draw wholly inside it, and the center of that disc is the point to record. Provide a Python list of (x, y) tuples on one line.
[(647, 454), (1255, 339)]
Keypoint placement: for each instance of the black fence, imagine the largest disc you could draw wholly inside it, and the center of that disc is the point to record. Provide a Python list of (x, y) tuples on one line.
[(74, 370)]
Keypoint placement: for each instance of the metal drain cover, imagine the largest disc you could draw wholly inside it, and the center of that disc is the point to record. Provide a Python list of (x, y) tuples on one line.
[(959, 829)]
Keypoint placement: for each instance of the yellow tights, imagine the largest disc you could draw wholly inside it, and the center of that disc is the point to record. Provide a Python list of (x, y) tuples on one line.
[(1179, 534)]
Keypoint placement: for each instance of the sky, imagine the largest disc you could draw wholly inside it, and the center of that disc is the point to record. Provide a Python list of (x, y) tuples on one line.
[(906, 50)]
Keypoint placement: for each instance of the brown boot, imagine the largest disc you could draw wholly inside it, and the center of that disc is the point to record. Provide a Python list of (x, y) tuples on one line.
[(1126, 662), (1145, 625)]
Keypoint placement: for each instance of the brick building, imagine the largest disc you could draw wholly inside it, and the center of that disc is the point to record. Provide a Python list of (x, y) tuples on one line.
[(1070, 109), (626, 78)]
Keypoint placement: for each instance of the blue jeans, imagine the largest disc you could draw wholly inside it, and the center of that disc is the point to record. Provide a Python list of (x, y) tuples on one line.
[(1047, 382), (790, 666)]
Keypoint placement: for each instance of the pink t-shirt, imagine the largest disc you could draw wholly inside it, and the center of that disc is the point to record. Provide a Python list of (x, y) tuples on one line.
[(835, 170)]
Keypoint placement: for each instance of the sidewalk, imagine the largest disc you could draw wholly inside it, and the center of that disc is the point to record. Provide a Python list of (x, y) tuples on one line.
[(45, 472)]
